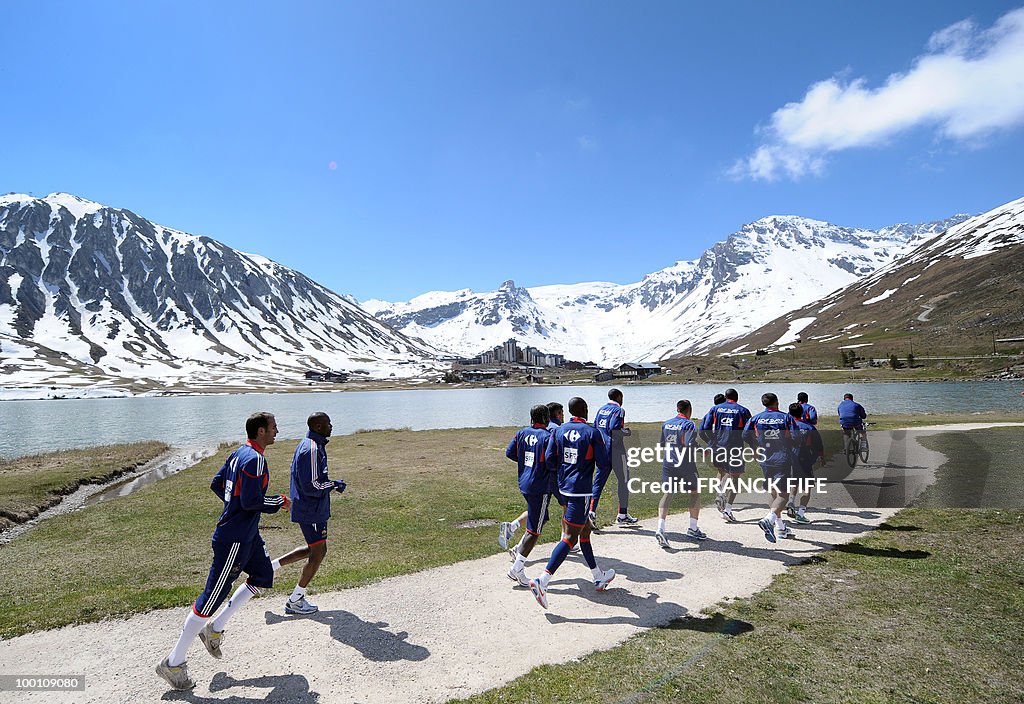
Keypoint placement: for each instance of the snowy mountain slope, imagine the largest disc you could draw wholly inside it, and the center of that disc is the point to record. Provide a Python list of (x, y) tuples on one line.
[(92, 292), (957, 290), (686, 308)]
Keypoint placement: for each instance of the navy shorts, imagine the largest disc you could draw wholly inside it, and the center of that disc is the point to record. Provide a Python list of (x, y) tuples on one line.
[(801, 471), (536, 512), (230, 560), (779, 473), (577, 508), (685, 478), (314, 532)]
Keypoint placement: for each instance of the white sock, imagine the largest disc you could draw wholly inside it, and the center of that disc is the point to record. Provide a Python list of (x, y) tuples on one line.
[(801, 510), (520, 563), (237, 600), (661, 525), (770, 517), (728, 508), (189, 631), (515, 526), (544, 578), (597, 572), (297, 593), (781, 524), (693, 523), (276, 564)]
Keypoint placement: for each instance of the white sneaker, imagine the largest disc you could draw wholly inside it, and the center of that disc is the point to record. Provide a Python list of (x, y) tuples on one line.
[(785, 533), (662, 540), (505, 533), (300, 607), (604, 580), (176, 676), (211, 639), (519, 577), (538, 592)]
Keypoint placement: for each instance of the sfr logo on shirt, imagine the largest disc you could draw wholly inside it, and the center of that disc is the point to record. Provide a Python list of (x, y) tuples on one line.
[(570, 454)]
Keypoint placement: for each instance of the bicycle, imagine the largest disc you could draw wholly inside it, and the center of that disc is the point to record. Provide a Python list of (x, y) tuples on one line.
[(857, 446)]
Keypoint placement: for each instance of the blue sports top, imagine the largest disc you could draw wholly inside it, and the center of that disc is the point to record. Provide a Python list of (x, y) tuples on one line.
[(310, 486), (677, 433), (609, 417), (774, 432), (723, 425), (807, 445), (573, 450), (527, 450), (242, 484), (810, 414), (850, 413)]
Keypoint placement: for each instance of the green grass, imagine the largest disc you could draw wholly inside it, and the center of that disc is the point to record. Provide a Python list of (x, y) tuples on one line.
[(913, 612), (29, 485)]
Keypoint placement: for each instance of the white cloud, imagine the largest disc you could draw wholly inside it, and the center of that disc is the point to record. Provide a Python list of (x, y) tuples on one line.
[(970, 82), (586, 143)]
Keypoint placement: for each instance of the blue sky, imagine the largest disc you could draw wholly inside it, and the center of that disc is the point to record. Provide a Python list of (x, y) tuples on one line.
[(391, 148)]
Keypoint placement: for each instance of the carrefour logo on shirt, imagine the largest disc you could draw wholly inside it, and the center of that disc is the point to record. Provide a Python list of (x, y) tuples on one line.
[(531, 440), (573, 435)]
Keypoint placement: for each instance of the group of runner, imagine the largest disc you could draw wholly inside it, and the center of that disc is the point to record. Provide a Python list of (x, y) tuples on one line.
[(572, 461)]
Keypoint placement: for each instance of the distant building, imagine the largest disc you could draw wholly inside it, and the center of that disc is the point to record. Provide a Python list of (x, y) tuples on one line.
[(637, 370), (606, 375), (483, 374), (329, 375)]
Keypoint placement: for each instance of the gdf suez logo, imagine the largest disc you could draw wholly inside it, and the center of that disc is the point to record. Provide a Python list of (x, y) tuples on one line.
[(573, 436), (531, 440)]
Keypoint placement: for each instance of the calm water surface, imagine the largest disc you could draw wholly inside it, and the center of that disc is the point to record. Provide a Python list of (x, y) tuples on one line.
[(29, 427)]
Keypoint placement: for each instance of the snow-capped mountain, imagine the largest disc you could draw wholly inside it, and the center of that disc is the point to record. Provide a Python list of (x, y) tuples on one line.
[(93, 292), (957, 290), (686, 308)]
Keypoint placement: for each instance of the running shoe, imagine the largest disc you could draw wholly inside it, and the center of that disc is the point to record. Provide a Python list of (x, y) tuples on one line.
[(729, 518), (801, 518), (176, 676), (211, 639), (592, 519), (602, 582), (696, 534), (624, 519), (662, 540), (575, 549), (769, 529), (786, 533), (720, 503), (791, 510), (519, 577), (538, 592), (505, 533), (300, 607)]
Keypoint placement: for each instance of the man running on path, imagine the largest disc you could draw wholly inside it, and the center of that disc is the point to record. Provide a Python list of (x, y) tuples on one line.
[(810, 412), (722, 428), (610, 420), (237, 547), (311, 507), (773, 432), (527, 450), (807, 449), (574, 450), (679, 470)]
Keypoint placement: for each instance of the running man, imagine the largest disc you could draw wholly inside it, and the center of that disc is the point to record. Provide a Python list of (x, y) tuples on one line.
[(851, 415), (311, 507), (237, 547), (574, 450), (807, 449), (679, 470), (722, 428), (810, 412), (506, 531), (527, 450), (773, 431), (610, 420)]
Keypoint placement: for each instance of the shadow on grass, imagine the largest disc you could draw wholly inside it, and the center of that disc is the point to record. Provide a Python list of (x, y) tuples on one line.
[(714, 624), (368, 638), (648, 611), (902, 529), (286, 689), (858, 549)]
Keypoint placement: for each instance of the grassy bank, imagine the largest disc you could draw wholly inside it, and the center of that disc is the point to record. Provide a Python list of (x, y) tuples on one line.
[(30, 485), (927, 609)]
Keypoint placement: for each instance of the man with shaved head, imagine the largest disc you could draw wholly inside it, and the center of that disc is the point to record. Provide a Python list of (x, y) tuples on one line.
[(311, 507)]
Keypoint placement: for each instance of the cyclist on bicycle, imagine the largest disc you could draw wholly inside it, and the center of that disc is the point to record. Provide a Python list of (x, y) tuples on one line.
[(851, 415)]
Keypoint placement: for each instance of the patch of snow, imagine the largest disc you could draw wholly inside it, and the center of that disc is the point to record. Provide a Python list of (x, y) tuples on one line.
[(880, 297)]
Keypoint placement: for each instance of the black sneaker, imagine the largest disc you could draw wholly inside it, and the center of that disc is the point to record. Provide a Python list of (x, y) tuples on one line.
[(624, 519)]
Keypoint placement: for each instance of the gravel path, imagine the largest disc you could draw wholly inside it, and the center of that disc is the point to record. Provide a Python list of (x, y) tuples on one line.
[(451, 631)]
